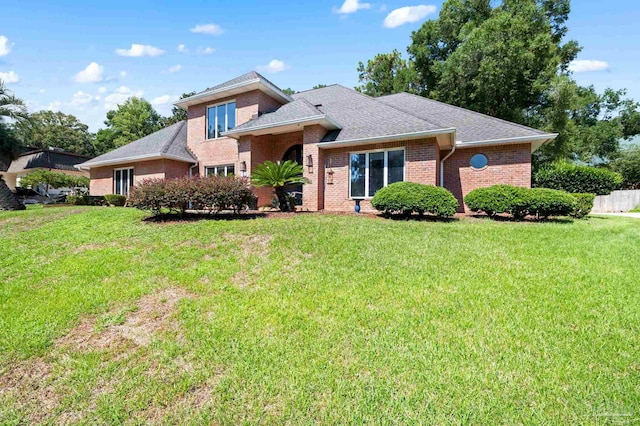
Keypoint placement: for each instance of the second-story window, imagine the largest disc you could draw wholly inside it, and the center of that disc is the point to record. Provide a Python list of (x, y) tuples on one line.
[(220, 118)]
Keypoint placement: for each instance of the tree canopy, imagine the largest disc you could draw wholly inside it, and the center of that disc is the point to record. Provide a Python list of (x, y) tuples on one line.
[(45, 129), (178, 114), (134, 119), (510, 61)]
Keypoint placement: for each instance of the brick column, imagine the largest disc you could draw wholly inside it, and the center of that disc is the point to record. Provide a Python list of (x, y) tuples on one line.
[(313, 193)]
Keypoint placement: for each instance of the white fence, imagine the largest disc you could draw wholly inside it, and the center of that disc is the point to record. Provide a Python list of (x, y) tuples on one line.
[(617, 201)]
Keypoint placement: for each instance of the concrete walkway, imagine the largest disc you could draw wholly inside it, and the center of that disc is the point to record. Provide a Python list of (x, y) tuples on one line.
[(635, 215)]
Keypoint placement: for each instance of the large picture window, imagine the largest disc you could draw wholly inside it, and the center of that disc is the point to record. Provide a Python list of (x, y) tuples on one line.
[(220, 118), (224, 170), (370, 171), (122, 181)]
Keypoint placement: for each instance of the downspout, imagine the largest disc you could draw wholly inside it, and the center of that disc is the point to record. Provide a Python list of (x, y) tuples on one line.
[(453, 149)]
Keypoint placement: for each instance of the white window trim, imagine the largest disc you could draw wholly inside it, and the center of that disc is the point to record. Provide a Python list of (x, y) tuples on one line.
[(386, 169), (132, 171), (226, 118), (225, 165)]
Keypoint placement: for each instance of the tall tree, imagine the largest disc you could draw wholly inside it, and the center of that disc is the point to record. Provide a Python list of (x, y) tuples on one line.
[(134, 119), (385, 74), (45, 129), (177, 113)]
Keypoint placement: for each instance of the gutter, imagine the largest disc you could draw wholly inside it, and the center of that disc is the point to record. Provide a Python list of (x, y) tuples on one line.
[(232, 87), (544, 137), (279, 124), (88, 166), (386, 138), (453, 149)]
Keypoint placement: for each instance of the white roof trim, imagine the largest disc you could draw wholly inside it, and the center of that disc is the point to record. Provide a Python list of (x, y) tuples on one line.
[(209, 93), (311, 119), (536, 141), (146, 157), (385, 138)]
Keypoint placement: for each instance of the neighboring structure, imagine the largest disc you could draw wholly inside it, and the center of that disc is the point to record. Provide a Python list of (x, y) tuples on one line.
[(52, 159), (350, 144)]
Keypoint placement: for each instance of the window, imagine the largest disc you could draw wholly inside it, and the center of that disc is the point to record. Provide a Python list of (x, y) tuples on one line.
[(225, 170), (371, 171), (122, 181), (479, 161), (220, 118)]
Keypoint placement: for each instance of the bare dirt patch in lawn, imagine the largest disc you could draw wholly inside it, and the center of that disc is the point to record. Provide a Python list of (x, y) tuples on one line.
[(37, 388), (253, 251), (14, 225)]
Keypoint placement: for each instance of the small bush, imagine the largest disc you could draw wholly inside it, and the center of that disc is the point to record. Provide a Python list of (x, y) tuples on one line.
[(86, 200), (545, 202), (499, 199), (584, 204), (115, 199), (212, 194), (573, 178), (636, 209), (409, 197)]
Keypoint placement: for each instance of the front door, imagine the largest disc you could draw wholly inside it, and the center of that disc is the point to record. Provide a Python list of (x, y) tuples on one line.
[(294, 154)]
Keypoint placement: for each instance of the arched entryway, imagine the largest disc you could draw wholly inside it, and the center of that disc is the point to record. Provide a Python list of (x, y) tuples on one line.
[(294, 153)]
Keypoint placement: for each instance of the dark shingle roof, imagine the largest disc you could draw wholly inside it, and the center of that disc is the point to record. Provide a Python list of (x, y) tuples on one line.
[(170, 141), (46, 159), (250, 76), (299, 109), (361, 116), (470, 126)]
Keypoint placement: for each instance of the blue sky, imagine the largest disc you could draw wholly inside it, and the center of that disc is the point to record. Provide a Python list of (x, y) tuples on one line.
[(79, 58)]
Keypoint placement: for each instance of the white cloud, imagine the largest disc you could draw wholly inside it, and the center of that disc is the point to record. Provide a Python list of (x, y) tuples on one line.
[(175, 68), (161, 100), (122, 74), (351, 6), (206, 50), (274, 66), (54, 106), (9, 77), (211, 29), (120, 95), (5, 46), (585, 65), (407, 14), (81, 98), (102, 90), (182, 48), (41, 91), (138, 50), (91, 74)]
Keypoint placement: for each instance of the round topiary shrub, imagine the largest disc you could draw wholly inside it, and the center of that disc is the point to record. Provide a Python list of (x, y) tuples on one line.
[(574, 178), (544, 202), (584, 204), (499, 199), (410, 197)]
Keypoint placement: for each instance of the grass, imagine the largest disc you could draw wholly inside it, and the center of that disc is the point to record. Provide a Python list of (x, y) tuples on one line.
[(317, 319), (636, 209)]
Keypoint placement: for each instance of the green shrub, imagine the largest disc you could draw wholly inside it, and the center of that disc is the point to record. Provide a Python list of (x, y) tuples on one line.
[(86, 200), (573, 178), (636, 209), (584, 204), (409, 197), (499, 199), (545, 202), (150, 195), (216, 193), (116, 199)]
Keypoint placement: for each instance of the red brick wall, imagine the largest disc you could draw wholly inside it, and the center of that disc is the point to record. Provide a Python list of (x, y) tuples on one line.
[(102, 177), (421, 165), (223, 150), (313, 193), (508, 164)]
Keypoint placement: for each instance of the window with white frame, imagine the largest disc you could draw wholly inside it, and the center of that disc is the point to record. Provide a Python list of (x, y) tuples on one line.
[(224, 170), (371, 171), (220, 118), (122, 181)]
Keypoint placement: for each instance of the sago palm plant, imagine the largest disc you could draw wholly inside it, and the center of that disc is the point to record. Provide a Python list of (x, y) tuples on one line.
[(279, 175)]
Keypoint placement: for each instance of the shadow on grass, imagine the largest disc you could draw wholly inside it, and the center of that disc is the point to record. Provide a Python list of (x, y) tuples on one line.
[(195, 217), (417, 218), (528, 219)]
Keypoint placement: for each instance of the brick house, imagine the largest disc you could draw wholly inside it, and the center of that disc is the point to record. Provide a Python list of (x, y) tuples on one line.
[(350, 144)]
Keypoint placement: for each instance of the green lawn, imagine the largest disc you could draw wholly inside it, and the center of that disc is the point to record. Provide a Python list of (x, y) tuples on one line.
[(108, 319)]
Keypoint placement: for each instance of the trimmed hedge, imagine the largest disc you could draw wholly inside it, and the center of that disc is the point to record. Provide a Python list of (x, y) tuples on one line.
[(584, 204), (576, 179), (211, 193), (409, 197), (86, 200), (520, 202), (116, 200)]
